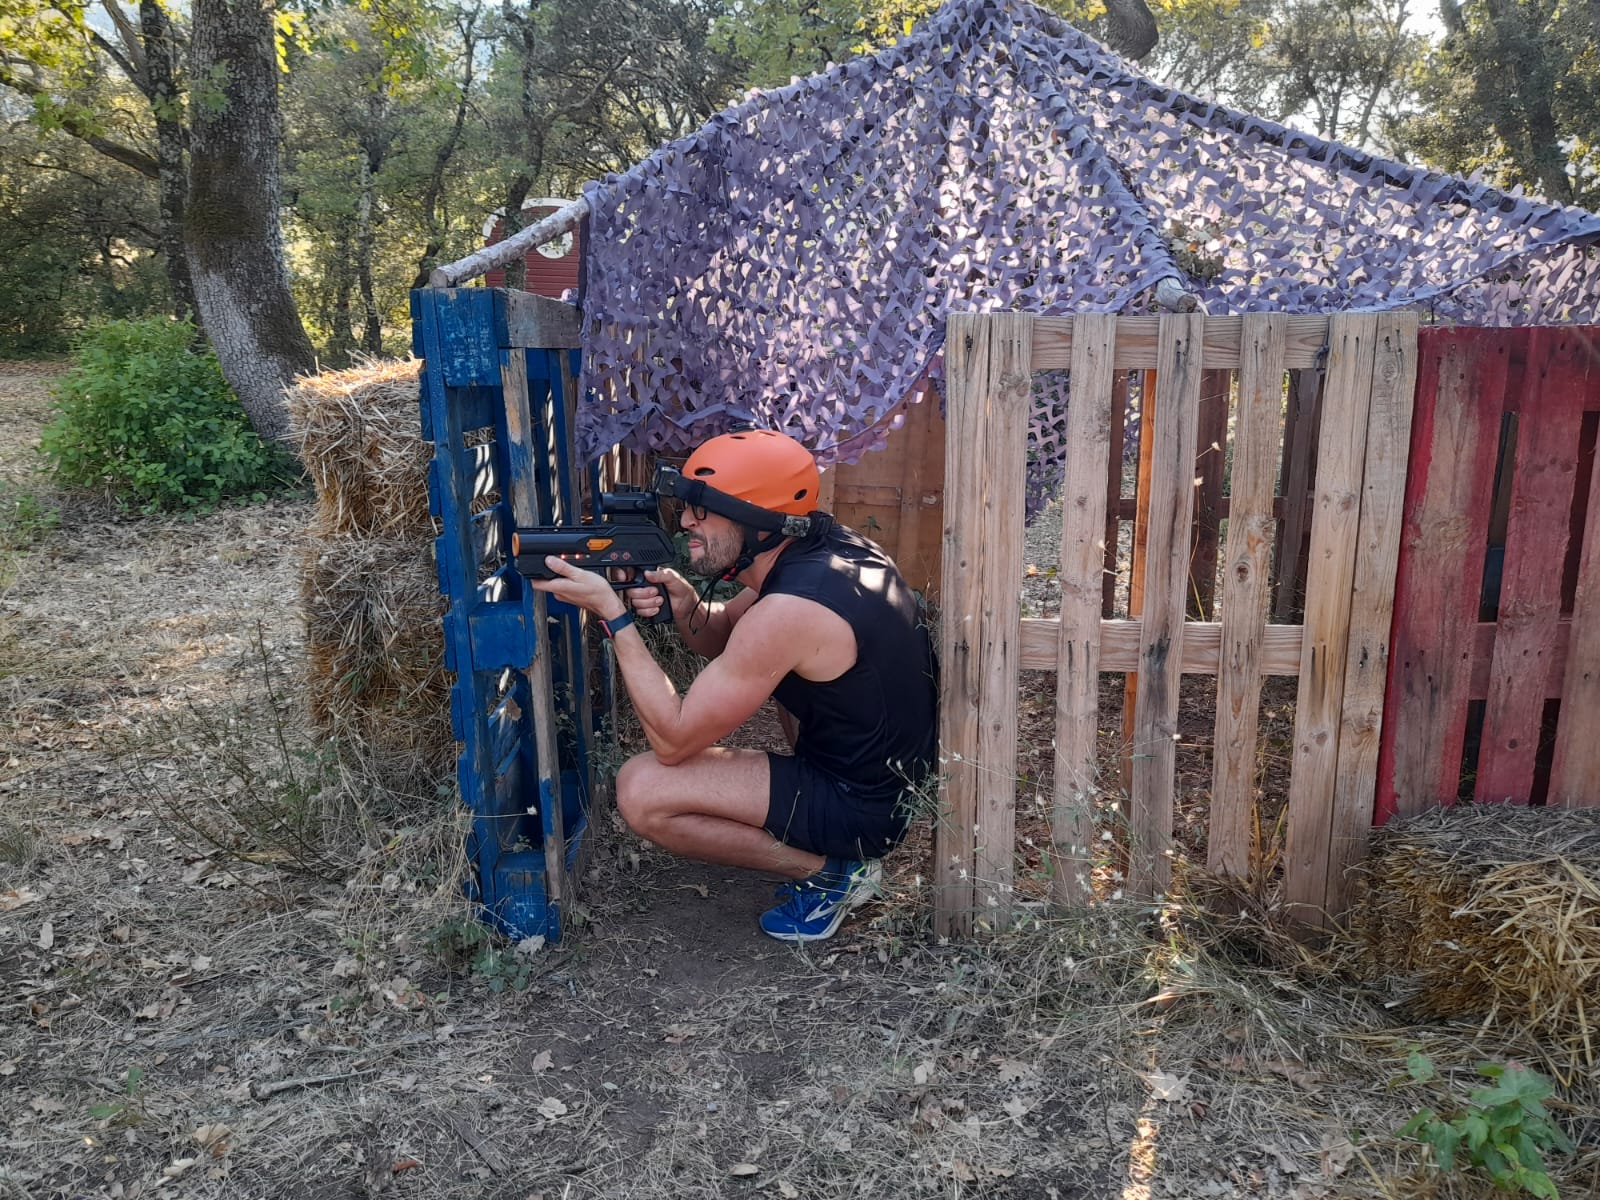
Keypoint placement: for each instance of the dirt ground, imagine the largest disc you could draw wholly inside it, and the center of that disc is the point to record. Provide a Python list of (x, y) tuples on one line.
[(179, 1021)]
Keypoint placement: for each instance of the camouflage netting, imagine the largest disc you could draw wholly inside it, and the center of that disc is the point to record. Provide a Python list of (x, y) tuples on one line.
[(791, 263)]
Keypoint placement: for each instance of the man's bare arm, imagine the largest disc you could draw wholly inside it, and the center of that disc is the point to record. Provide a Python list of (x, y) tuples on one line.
[(763, 646)]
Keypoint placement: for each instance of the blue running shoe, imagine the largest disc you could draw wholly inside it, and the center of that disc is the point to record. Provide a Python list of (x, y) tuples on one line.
[(811, 909)]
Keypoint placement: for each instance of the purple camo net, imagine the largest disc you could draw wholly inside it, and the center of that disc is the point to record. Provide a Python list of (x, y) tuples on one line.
[(790, 264)]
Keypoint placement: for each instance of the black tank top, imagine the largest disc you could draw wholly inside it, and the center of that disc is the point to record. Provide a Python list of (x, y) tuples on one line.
[(875, 727)]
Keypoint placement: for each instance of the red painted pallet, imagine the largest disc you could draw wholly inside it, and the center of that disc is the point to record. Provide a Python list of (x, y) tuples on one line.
[(1498, 411)]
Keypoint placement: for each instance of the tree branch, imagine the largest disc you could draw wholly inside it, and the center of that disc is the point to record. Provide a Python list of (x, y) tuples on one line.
[(126, 155)]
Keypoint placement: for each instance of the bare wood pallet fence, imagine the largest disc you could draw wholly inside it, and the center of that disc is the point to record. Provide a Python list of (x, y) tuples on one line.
[(1339, 653)]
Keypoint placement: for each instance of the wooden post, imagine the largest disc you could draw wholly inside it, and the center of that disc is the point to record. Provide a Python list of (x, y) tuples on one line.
[(1083, 526), (1366, 668), (987, 370), (1245, 594), (1341, 455), (1171, 513)]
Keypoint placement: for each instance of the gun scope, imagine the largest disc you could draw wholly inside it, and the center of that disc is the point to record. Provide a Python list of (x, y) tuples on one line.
[(629, 501)]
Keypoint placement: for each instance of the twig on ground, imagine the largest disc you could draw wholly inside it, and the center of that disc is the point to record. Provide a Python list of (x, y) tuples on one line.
[(262, 1091)]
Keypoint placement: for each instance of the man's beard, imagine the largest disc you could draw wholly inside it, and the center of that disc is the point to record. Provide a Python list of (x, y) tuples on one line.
[(718, 554)]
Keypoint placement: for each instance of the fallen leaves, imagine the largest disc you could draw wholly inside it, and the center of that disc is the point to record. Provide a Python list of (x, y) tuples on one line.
[(14, 898), (1165, 1086), (47, 936), (46, 1105), (744, 1169), (551, 1109)]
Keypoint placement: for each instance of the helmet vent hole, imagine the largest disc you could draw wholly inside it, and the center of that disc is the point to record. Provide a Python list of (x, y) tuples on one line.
[(801, 494), (705, 471)]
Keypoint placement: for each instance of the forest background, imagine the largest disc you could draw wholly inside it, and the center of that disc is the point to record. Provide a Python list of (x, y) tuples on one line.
[(306, 163)]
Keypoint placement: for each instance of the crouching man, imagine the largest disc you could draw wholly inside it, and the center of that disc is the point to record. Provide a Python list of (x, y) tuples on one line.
[(827, 626)]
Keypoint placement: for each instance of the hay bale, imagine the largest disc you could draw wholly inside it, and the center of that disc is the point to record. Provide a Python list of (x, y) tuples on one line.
[(376, 681), (360, 437), (1492, 913)]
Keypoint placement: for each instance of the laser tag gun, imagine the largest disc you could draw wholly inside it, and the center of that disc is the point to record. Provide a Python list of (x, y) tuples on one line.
[(625, 534)]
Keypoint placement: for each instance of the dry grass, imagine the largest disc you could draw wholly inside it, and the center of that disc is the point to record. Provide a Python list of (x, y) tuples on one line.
[(1491, 913)]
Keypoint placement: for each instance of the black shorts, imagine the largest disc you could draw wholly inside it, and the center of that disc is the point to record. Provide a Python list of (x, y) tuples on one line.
[(811, 810)]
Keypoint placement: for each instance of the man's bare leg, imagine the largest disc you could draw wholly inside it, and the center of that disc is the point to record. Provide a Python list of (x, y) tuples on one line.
[(710, 808)]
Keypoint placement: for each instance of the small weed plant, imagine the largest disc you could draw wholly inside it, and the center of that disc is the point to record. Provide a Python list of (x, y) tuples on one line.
[(146, 414), (463, 946), (25, 519), (1503, 1129), (128, 1107)]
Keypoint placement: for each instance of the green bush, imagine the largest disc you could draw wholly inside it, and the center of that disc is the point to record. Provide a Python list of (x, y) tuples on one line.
[(146, 414)]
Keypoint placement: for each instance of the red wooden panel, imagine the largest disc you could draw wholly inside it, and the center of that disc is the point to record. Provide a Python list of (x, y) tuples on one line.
[(1550, 416), (1454, 439)]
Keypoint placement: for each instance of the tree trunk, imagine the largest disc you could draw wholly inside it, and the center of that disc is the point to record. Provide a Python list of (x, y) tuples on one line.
[(231, 228), (172, 178), (366, 236)]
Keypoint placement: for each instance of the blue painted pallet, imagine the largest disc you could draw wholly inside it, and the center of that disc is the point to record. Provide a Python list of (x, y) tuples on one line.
[(490, 637)]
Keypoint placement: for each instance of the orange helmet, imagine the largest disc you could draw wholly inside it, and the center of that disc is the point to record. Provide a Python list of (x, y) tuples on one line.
[(761, 467)]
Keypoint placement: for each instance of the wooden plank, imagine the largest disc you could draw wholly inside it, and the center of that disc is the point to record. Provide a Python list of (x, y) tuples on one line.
[(1550, 419), (1341, 457), (1202, 646), (540, 323), (1366, 670), (1083, 526), (1244, 595), (1116, 435), (584, 668), (1480, 669), (541, 686), (1166, 574), (1305, 406), (960, 633), (1138, 342), (1009, 391), (1211, 460), (1575, 769), (1455, 435), (895, 495)]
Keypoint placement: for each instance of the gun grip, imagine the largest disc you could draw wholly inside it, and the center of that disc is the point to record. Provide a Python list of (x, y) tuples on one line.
[(664, 617)]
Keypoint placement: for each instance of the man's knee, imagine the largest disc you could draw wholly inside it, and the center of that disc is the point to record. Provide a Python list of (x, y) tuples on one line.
[(637, 794)]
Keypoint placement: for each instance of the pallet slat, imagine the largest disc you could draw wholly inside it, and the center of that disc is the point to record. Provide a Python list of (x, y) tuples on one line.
[(1008, 396), (960, 645), (1178, 376), (1330, 576), (525, 511), (1244, 595), (1083, 531), (1138, 342), (1575, 768), (1550, 416), (1366, 668), (1200, 653)]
